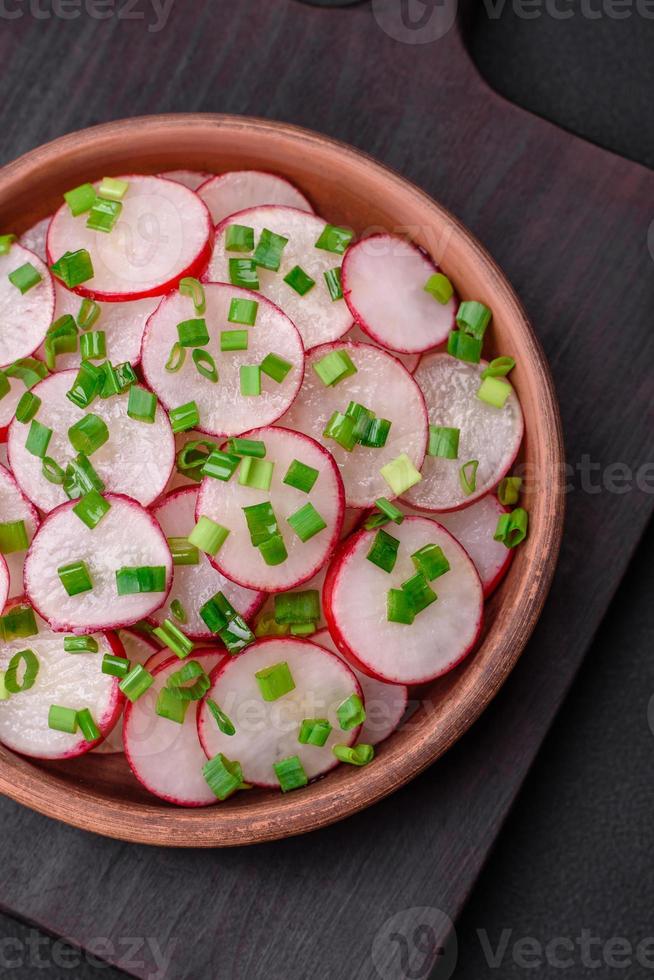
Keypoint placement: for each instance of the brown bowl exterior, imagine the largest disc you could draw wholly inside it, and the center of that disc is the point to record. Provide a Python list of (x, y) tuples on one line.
[(346, 187)]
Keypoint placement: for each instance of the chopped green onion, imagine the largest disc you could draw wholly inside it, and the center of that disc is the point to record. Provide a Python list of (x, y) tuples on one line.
[(494, 391), (6, 241), (194, 289), (91, 508), (498, 368), (268, 253), (110, 382), (508, 492), (297, 607), (80, 477), (89, 434), (273, 550), (243, 272), (261, 522), (351, 713), (75, 578), (18, 624), (115, 666), (239, 238), (141, 404), (431, 561), (80, 199), (104, 215), (358, 755), (60, 339), (136, 683), (243, 311), (191, 458), (89, 313), (223, 777), (80, 644), (389, 510), (86, 385), (400, 474), (25, 277), (171, 707), (255, 473), (473, 317), (376, 434), (440, 287), (193, 333), (27, 407), (398, 607), (301, 476), (266, 626), (29, 370), (298, 280), (383, 551), (220, 465), (38, 439), (464, 347), (87, 725), (27, 659), (62, 719), (334, 283), (443, 442), (334, 239), (334, 367), (221, 618), (341, 428), (113, 189), (512, 528), (183, 552), (303, 629), (208, 536), (52, 471), (224, 724), (5, 386), (216, 613), (275, 367), (73, 268), (184, 417), (141, 579), (362, 418), (13, 537), (231, 340), (178, 612), (468, 476), (174, 639), (92, 345), (190, 683), (205, 365), (248, 447), (306, 522), (290, 773), (419, 592), (314, 731), (176, 358), (250, 376)]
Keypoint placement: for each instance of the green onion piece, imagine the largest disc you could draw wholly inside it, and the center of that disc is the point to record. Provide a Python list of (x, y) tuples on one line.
[(508, 491), (224, 724), (115, 666), (216, 613), (208, 536), (275, 367), (255, 473), (113, 189), (440, 287), (176, 358), (358, 755), (73, 268), (443, 442), (400, 474), (334, 283), (334, 367), (174, 639), (193, 333), (13, 537), (261, 522), (250, 376), (248, 447), (91, 508), (141, 405), (301, 476), (464, 347), (178, 612), (275, 681), (104, 215), (498, 368), (314, 731), (334, 239), (468, 476), (92, 345), (86, 385), (38, 439), (431, 561), (75, 577), (303, 629), (29, 661), (80, 199), (221, 618), (205, 364), (136, 683), (273, 550), (27, 407), (383, 551), (351, 713), (192, 457), (494, 391), (362, 417), (220, 465), (89, 313), (306, 522), (109, 382), (62, 719), (376, 434), (299, 280), (183, 552), (60, 339), (29, 370), (25, 277), (243, 311), (297, 607), (18, 624), (268, 253), (4, 693), (80, 644), (194, 289), (171, 707), (243, 272), (190, 683), (398, 607), (184, 417), (6, 241), (81, 478), (512, 528), (87, 725), (419, 592), (341, 428), (5, 386), (473, 317), (389, 510), (125, 375), (266, 626), (290, 773), (239, 238), (141, 579), (231, 340), (89, 434), (223, 777)]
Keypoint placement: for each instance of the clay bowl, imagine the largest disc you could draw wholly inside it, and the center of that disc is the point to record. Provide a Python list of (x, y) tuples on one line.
[(99, 793)]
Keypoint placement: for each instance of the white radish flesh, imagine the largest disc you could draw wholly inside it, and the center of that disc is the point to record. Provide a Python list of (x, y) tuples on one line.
[(9, 404), (163, 234), (383, 284), (267, 731), (410, 361), (223, 502), (35, 237), (137, 458), (126, 537), (223, 410), (355, 602), (189, 178), (318, 318), (24, 317), (487, 434), (14, 506), (384, 387), (237, 190)]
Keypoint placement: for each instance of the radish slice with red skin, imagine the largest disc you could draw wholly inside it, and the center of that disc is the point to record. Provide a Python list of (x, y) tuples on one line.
[(14, 506), (127, 536), (193, 585), (237, 190), (167, 757), (64, 679), (24, 318), (223, 502), (385, 387), (137, 459), (318, 318), (4, 582), (189, 178), (267, 731), (385, 703), (163, 234), (410, 361), (222, 408), (383, 285), (487, 434), (440, 637), (35, 237)]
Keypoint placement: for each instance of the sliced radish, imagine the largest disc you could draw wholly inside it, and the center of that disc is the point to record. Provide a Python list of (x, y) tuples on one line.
[(223, 502), (163, 234), (355, 598), (4, 582), (63, 679), (237, 190), (385, 387), (385, 703), (410, 361), (193, 585), (8, 405), (14, 506), (35, 237), (487, 434), (223, 410), (318, 318), (137, 459), (383, 284), (189, 178), (267, 731), (165, 756), (127, 536), (24, 317)]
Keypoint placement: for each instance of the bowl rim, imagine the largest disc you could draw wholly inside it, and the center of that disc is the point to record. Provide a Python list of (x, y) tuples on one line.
[(270, 817)]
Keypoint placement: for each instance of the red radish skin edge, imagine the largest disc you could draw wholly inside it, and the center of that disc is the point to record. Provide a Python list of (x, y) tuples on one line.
[(52, 309), (337, 635), (195, 269), (352, 735), (64, 628), (216, 177), (362, 323)]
